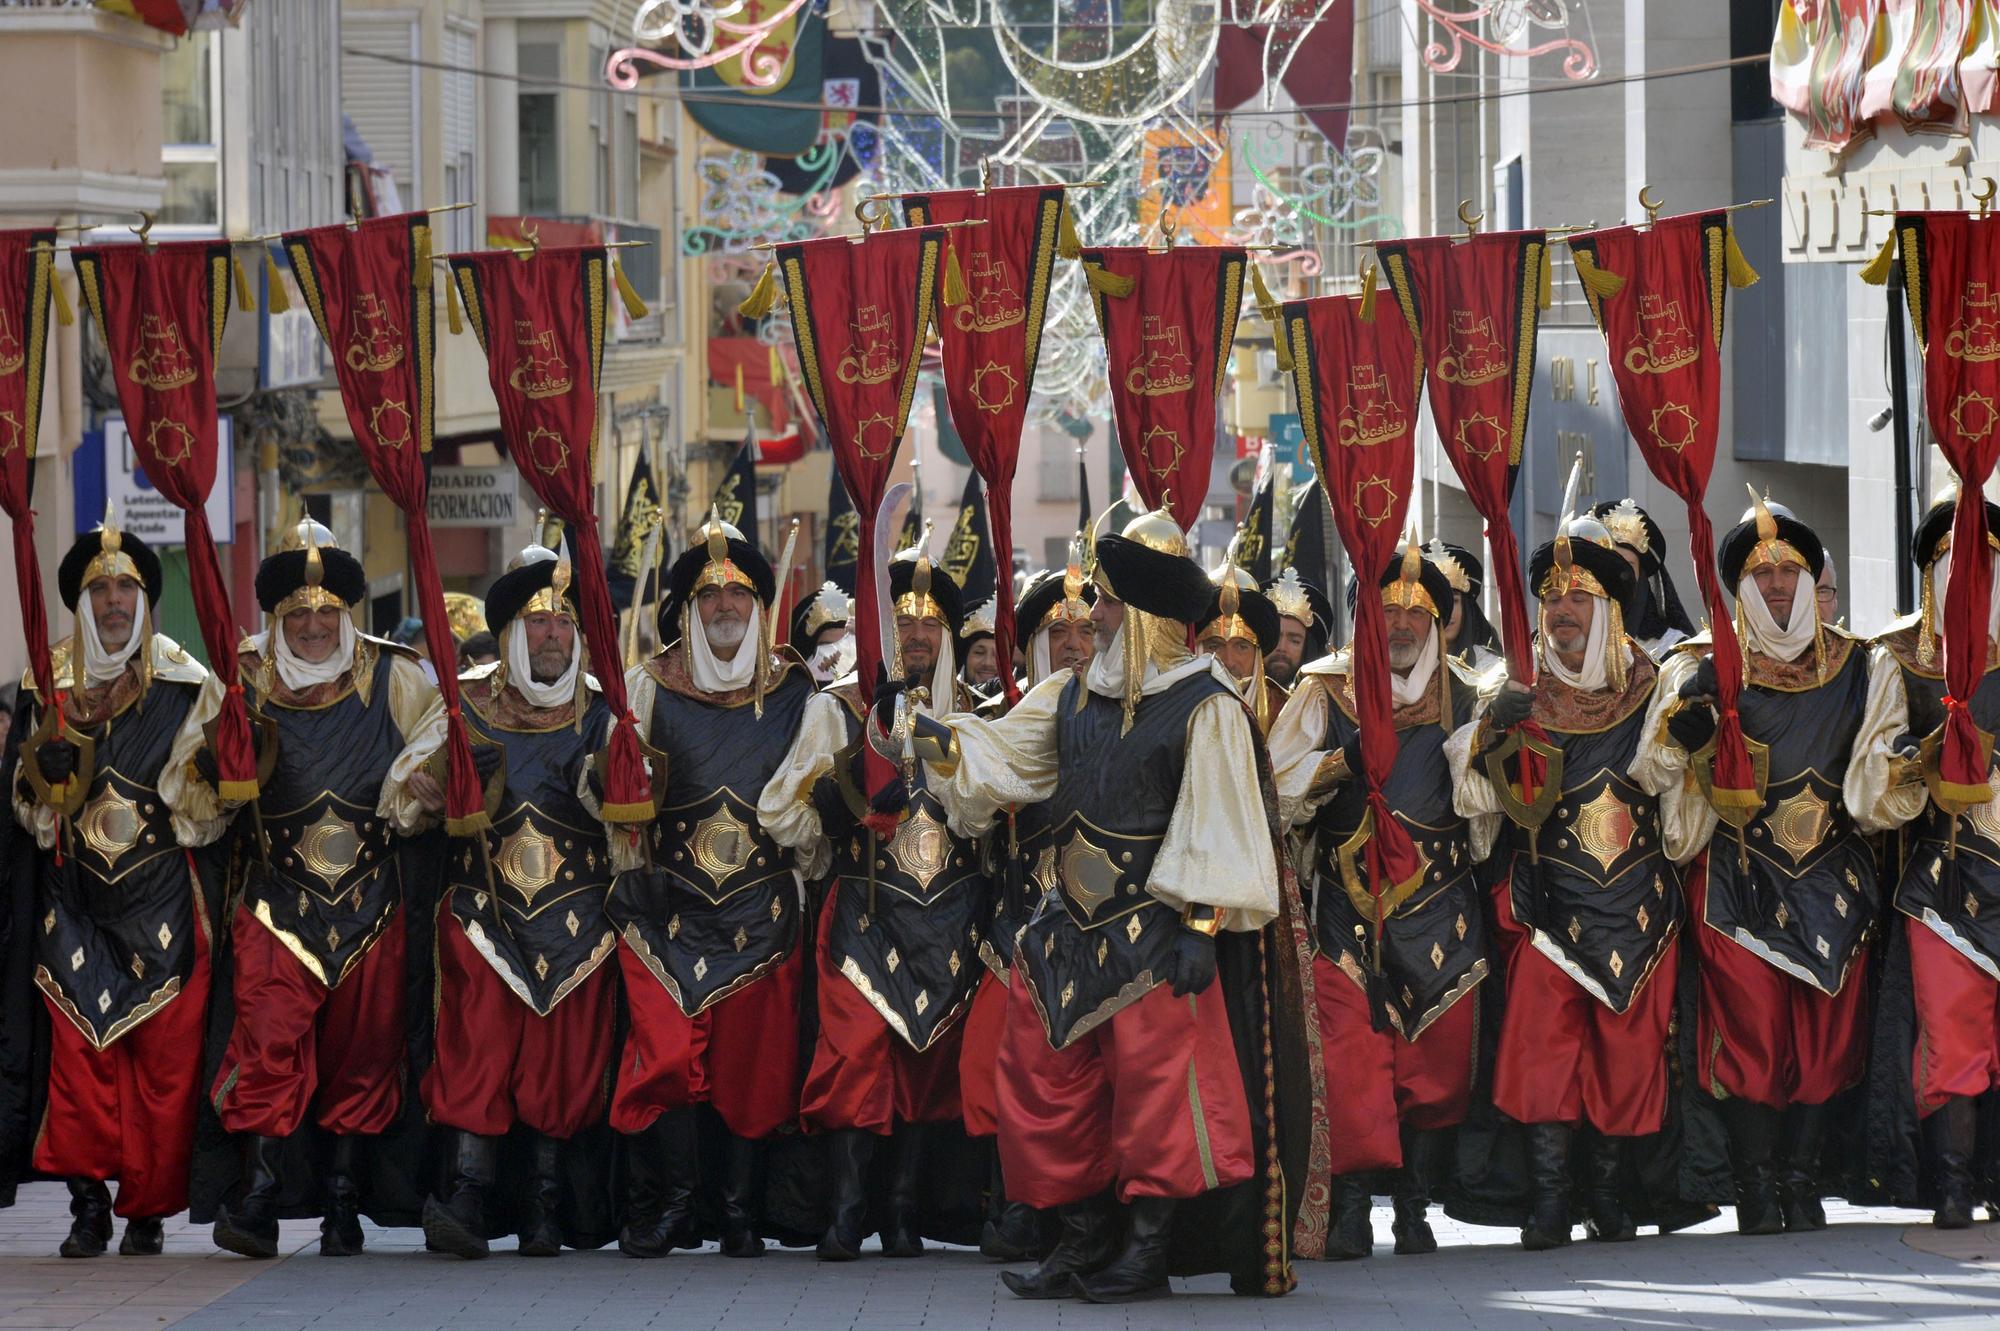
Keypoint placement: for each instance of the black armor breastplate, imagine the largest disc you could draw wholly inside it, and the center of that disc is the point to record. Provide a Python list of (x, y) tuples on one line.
[(115, 940), (1808, 896), (1096, 942), (539, 920), (1031, 847), (1434, 940), (330, 879), (1959, 898), (720, 906), (1605, 900)]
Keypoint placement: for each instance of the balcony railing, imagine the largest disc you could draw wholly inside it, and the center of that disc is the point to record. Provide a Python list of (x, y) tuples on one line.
[(641, 262)]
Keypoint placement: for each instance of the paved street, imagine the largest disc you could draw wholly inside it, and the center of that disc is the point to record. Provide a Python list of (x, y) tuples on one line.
[(1871, 1268)]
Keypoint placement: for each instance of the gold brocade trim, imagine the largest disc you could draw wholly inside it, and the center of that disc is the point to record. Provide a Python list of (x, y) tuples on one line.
[(424, 294), (1038, 287), (468, 295), (894, 1019), (802, 330), (669, 670), (1913, 282), (42, 280), (271, 690), (87, 283), (1756, 947), (1575, 711), (476, 935), (1140, 985), (158, 999), (218, 297), (1548, 947), (1473, 975), (1802, 675), (1201, 1143), (1307, 387), (500, 706), (651, 961), (1232, 303), (927, 271), (593, 276), (1716, 233), (1532, 254)]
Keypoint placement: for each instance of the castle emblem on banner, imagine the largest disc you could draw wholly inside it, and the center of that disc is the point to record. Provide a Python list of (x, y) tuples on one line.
[(1164, 365), (995, 304), (1472, 356), (542, 371), (1975, 334), (870, 357), (1665, 342), (1369, 416), (12, 354), (377, 344), (163, 362)]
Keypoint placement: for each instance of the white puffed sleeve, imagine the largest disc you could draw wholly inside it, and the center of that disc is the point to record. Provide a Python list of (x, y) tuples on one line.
[(1003, 762), (1882, 789), (1296, 754), (418, 711), (199, 817), (785, 808), (1217, 851)]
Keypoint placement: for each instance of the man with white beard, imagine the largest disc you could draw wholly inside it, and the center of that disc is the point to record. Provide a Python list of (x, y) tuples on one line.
[(708, 913), (525, 1005), (317, 941), (1789, 899), (121, 959), (1396, 1007), (1589, 907)]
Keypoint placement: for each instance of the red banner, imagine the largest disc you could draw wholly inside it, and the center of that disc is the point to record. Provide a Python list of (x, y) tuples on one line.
[(1950, 271), (369, 290), (991, 344), (162, 309), (1358, 378), (27, 277), (1658, 296), (540, 318), (1169, 321), (860, 310)]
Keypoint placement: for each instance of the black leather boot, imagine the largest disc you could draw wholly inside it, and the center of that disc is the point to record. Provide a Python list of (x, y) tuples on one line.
[(1607, 1220), (901, 1234), (340, 1220), (1798, 1168), (1012, 1231), (90, 1230), (145, 1236), (250, 1226), (1422, 1152), (457, 1224), (541, 1223), (742, 1198), (1352, 1234), (1753, 1131), (848, 1152), (1139, 1271), (665, 1170), (1087, 1244), (1548, 1171), (1952, 1130)]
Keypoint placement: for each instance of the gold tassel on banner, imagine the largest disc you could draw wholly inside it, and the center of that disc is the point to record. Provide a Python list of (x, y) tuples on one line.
[(1599, 282), (455, 320), (241, 281), (1741, 274), (634, 307), (275, 297), (420, 268), (763, 296), (64, 314), (1107, 283), (1875, 272), (1546, 296), (1274, 315), (1368, 292), (1068, 244), (954, 279), (739, 390)]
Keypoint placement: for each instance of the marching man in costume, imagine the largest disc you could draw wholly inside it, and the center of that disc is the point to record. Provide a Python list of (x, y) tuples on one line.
[(1239, 629), (1396, 968), (318, 949), (122, 934), (1653, 616), (1468, 634), (899, 933), (1053, 619), (1591, 915), (525, 1005), (1785, 908), (1120, 1089), (1305, 617), (1949, 889), (819, 626), (709, 926)]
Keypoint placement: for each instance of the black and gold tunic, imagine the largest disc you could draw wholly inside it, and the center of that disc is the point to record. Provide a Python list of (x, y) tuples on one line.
[(540, 919), (719, 907)]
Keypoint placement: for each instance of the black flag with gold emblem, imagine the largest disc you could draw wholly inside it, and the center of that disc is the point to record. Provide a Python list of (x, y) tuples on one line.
[(736, 493), (843, 534), (635, 519), (968, 555)]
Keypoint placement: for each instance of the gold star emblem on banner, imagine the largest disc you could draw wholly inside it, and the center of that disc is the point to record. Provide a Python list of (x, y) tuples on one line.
[(875, 436), (171, 441), (1674, 426), (1375, 500), (993, 386), (1974, 414), (1162, 450), (548, 448), (1481, 435), (390, 421)]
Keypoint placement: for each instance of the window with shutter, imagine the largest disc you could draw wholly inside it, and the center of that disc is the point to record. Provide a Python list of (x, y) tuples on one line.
[(380, 95), (461, 133)]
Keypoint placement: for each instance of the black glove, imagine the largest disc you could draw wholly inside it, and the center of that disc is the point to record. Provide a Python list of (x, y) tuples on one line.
[(1701, 684), (1190, 967), (886, 690), (486, 759), (836, 820), (1351, 752), (1509, 708), (1906, 746), (206, 767), (1692, 726), (57, 759)]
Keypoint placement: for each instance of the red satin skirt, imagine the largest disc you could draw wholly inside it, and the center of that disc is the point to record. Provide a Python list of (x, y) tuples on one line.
[(739, 1054), (498, 1062), (1767, 1037), (1377, 1081), (1565, 1057), (127, 1112), (1150, 1102), (300, 1047), (979, 1057), (863, 1074), (1958, 1021)]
